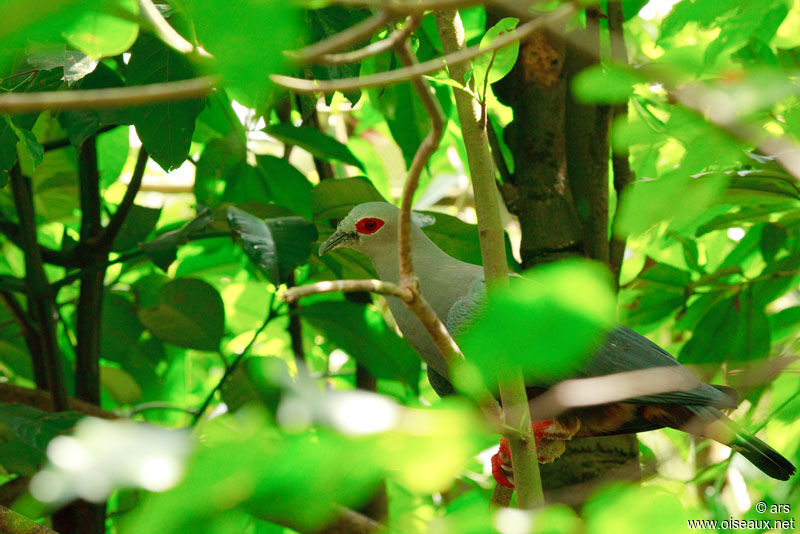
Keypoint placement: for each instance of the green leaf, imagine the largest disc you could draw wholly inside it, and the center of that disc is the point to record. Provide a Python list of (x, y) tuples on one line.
[(333, 199), (274, 25), (548, 325), (773, 238), (363, 334), (222, 162), (112, 153), (288, 187), (25, 432), (733, 329), (190, 313), (496, 64), (121, 327), (312, 140), (605, 83), (136, 227), (165, 129), (99, 33), (784, 323), (275, 245), (164, 249), (120, 385)]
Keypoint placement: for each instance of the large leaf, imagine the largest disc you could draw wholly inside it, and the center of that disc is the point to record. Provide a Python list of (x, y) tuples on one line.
[(287, 186), (190, 313), (734, 329), (493, 66), (333, 199), (222, 162), (230, 31), (363, 334), (136, 227), (100, 32), (317, 143), (25, 432), (120, 327), (165, 129), (276, 245)]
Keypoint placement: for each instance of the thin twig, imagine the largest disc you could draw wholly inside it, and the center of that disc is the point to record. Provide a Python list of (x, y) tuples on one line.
[(111, 230), (375, 286), (352, 35), (419, 69), (372, 49), (105, 98), (471, 115), (271, 314)]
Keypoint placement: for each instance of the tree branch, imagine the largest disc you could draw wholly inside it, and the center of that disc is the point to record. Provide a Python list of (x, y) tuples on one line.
[(490, 229), (352, 35), (47, 364), (372, 49), (300, 85), (106, 239), (11, 394), (105, 98), (90, 299)]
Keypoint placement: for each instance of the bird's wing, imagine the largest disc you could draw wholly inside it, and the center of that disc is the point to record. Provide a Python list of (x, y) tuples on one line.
[(626, 350), (467, 310), (623, 350)]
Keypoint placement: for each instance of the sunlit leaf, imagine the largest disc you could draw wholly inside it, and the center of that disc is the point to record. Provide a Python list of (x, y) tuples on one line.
[(493, 66)]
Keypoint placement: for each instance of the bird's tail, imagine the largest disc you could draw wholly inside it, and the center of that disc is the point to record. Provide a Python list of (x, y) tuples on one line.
[(720, 428)]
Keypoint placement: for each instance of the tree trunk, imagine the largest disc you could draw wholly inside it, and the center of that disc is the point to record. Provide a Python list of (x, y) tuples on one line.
[(559, 191)]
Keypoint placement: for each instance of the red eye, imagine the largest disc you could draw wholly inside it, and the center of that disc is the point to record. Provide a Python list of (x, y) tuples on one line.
[(368, 225)]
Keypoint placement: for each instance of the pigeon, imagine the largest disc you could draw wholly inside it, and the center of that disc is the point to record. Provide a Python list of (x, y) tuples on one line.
[(455, 290)]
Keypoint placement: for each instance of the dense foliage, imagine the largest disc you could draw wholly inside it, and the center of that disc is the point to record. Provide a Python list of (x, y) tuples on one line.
[(167, 310)]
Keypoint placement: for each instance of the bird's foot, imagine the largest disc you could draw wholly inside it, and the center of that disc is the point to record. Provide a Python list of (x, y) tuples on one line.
[(550, 437)]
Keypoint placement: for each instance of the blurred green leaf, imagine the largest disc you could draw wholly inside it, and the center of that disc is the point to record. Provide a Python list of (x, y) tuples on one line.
[(548, 325), (624, 509), (190, 313), (273, 24), (312, 140), (364, 335), (121, 327), (222, 161), (100, 32), (25, 432), (165, 129), (275, 245), (606, 83)]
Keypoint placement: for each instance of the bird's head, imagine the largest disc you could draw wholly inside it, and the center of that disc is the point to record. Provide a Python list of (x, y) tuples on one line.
[(370, 228)]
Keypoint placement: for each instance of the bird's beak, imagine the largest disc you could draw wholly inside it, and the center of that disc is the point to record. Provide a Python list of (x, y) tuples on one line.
[(336, 240)]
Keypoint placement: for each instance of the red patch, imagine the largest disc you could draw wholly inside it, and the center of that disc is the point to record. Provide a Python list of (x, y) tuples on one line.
[(503, 456), (369, 225)]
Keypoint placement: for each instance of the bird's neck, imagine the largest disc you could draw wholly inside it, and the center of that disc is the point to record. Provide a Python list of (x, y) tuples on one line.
[(429, 260)]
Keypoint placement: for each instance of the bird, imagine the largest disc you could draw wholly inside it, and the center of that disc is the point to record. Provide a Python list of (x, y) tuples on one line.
[(455, 290)]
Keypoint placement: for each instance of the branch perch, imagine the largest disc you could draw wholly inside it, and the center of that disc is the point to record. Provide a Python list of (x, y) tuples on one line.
[(355, 34), (490, 229), (300, 85)]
